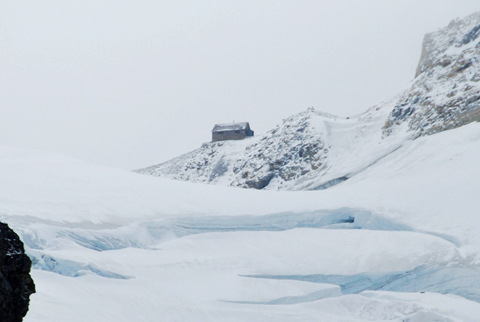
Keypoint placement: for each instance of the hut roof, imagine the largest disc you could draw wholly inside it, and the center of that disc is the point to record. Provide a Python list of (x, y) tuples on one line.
[(231, 127)]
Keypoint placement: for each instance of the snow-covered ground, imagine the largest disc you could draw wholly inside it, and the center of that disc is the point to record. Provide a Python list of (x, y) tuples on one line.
[(397, 242)]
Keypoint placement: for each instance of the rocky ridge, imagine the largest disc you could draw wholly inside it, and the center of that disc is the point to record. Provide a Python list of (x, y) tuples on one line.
[(446, 91), (291, 150)]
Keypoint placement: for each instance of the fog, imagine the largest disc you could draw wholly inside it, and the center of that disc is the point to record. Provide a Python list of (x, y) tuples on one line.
[(129, 84)]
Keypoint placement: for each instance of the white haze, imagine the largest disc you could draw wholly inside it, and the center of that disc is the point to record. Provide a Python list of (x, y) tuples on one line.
[(134, 83)]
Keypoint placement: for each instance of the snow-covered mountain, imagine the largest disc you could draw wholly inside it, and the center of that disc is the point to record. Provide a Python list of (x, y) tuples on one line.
[(446, 90), (397, 241), (314, 150)]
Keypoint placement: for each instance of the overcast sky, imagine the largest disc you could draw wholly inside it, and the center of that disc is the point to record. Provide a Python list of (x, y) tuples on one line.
[(129, 84)]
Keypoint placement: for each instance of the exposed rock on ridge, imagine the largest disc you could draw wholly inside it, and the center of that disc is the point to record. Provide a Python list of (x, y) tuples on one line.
[(446, 92), (294, 148), (16, 285), (286, 153)]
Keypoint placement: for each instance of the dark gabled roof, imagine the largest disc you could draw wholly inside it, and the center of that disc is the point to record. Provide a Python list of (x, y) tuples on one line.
[(231, 127)]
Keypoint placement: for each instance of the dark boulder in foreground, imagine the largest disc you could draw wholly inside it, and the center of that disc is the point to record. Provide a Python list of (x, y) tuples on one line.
[(16, 285)]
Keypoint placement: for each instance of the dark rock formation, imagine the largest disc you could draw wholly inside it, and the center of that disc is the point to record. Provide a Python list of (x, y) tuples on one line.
[(16, 285)]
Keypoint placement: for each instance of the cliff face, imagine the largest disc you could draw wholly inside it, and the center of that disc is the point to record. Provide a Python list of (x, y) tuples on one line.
[(16, 285), (313, 150), (446, 92)]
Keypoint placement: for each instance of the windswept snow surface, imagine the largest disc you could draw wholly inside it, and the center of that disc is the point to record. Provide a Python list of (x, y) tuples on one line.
[(397, 242)]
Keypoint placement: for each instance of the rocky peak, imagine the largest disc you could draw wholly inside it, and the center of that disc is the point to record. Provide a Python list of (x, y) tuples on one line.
[(446, 91), (438, 47)]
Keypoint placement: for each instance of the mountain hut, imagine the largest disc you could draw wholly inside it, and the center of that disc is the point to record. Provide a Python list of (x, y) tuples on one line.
[(232, 131)]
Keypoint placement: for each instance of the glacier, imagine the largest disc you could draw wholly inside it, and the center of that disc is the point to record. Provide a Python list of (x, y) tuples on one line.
[(396, 242)]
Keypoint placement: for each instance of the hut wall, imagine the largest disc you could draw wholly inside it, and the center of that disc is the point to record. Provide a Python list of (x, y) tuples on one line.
[(228, 135)]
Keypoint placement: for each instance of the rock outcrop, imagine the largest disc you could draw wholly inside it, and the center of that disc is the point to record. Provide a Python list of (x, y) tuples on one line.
[(446, 91), (291, 150), (16, 285), (288, 152)]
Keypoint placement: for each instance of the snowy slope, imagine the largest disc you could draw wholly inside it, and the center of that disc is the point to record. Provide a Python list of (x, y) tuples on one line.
[(109, 244), (313, 150)]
